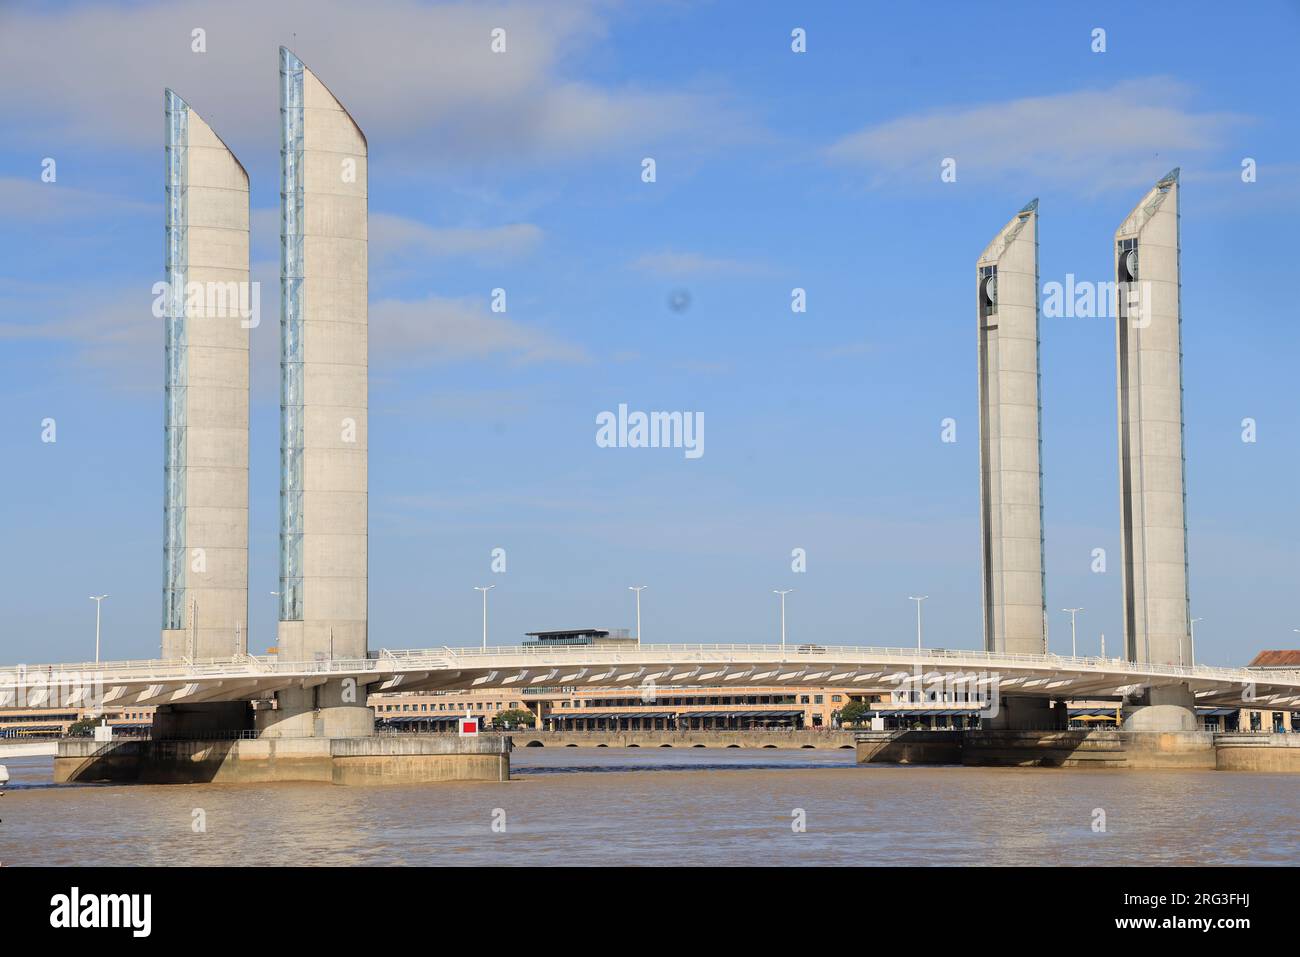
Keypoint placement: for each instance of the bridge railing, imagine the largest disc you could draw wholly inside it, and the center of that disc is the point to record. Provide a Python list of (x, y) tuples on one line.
[(805, 653), (672, 655)]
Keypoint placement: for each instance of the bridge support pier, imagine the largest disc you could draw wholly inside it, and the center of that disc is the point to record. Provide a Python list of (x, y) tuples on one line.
[(1022, 713), (1162, 708), (196, 720), (335, 709)]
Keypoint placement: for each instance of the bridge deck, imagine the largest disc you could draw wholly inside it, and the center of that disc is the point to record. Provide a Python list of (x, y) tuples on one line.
[(153, 682)]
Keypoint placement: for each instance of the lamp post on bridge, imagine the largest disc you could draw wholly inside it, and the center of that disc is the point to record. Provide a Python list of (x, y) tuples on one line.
[(782, 593), (99, 601), (1192, 636), (918, 599), (638, 589), (276, 596), (484, 589), (1074, 647)]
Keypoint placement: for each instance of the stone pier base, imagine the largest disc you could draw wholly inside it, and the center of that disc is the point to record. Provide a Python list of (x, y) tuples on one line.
[(1258, 752), (1167, 708), (362, 760), (1136, 750)]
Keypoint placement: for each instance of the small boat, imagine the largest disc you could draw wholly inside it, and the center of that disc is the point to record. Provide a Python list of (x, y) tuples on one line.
[(4, 775)]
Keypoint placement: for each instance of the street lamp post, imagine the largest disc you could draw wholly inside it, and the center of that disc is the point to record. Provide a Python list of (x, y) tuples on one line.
[(782, 593), (638, 589), (484, 589), (1192, 635), (918, 599), (99, 601), (1074, 647)]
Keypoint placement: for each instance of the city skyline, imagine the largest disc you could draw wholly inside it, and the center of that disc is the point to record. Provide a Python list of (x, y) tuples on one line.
[(486, 436)]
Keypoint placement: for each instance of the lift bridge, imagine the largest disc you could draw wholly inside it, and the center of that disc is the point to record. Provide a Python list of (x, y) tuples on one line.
[(979, 675)]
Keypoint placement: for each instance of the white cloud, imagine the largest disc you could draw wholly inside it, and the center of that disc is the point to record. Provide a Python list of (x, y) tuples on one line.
[(414, 73), (31, 200), (395, 237), (1095, 139), (848, 350), (454, 330), (672, 263), (109, 329)]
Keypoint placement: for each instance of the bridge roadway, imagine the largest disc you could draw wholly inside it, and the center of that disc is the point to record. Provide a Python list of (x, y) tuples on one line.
[(247, 677)]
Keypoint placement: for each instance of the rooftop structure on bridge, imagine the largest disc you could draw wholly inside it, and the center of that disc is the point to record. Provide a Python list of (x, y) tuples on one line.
[(591, 637)]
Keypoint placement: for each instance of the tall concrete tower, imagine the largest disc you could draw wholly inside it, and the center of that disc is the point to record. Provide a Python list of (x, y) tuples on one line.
[(1011, 478), (1152, 495), (323, 402), (207, 307)]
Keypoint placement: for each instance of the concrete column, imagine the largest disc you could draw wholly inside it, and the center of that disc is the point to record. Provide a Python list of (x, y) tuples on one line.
[(1163, 708), (1152, 494), (205, 553), (324, 427), (329, 710), (1011, 480)]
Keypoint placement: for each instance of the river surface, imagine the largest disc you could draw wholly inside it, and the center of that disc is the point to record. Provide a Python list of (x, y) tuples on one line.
[(640, 806)]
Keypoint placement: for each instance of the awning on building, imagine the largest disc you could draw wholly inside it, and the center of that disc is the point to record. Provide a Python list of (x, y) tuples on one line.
[(739, 714), (439, 718), (612, 714), (28, 728)]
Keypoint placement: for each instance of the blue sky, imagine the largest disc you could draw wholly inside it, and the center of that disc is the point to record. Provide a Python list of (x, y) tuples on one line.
[(775, 170)]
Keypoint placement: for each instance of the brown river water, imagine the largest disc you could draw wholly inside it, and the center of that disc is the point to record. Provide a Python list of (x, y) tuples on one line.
[(645, 807)]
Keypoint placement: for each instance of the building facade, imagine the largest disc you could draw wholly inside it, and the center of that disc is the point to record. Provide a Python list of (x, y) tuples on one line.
[(627, 709), (1011, 477), (1150, 399), (208, 308)]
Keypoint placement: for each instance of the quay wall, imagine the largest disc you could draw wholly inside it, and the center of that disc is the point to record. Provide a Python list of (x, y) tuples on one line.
[(380, 759), (683, 739), (1258, 752), (1144, 750)]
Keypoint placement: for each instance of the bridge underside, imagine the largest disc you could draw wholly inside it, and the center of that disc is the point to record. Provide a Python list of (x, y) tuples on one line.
[(327, 697)]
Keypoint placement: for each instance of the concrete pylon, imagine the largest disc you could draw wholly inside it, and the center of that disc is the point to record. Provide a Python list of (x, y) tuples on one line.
[(1153, 530), (208, 308), (1011, 478), (324, 429)]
